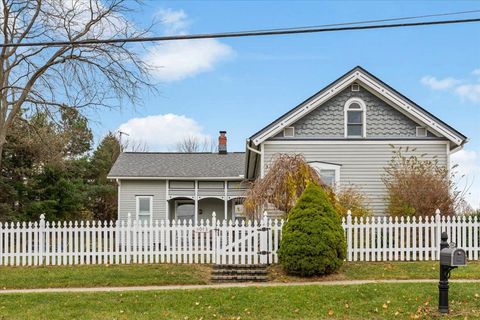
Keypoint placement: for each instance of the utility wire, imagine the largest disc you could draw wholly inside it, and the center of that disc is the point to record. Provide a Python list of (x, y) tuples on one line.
[(377, 21), (254, 33)]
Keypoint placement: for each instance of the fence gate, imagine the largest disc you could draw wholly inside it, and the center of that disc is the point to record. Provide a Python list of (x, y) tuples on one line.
[(243, 243)]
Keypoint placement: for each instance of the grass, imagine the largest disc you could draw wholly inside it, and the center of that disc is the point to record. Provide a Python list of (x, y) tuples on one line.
[(170, 274), (384, 271), (102, 276), (371, 301)]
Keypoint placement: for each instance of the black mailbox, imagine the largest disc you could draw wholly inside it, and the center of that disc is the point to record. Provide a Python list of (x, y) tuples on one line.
[(453, 257)]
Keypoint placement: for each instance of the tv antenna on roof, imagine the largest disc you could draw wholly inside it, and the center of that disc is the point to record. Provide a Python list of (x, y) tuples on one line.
[(120, 134)]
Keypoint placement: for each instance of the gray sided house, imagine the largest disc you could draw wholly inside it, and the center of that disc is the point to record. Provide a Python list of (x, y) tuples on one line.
[(345, 131)]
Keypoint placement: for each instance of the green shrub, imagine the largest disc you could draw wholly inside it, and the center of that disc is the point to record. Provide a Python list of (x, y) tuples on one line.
[(313, 241)]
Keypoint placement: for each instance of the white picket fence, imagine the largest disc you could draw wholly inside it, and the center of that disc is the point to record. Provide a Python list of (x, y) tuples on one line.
[(253, 242), (124, 242), (409, 239)]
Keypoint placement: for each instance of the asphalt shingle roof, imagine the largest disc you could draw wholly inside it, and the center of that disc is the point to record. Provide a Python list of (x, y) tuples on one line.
[(176, 164)]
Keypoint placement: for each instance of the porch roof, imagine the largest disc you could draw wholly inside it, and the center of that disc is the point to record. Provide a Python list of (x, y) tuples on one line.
[(130, 165)]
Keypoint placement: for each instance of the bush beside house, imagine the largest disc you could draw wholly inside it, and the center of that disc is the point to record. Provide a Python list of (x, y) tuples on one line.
[(313, 241), (417, 186)]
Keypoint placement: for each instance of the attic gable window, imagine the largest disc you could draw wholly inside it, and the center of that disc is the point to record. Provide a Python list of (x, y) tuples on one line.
[(355, 118), (421, 132), (289, 132)]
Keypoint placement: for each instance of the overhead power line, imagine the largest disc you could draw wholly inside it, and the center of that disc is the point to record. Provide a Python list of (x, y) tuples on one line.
[(378, 20), (255, 33)]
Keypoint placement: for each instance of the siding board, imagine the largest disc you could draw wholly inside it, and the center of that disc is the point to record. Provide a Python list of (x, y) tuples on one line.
[(132, 188), (362, 164)]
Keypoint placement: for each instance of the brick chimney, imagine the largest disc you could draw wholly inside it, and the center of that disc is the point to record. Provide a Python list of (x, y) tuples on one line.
[(222, 143)]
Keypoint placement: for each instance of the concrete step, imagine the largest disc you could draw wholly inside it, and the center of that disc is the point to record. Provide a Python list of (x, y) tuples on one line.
[(238, 278), (239, 272), (240, 266)]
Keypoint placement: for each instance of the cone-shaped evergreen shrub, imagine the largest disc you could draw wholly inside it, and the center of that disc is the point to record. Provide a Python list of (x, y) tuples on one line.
[(313, 241)]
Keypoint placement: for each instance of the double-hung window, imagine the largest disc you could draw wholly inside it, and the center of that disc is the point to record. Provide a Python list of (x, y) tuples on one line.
[(355, 119), (144, 208), (329, 172)]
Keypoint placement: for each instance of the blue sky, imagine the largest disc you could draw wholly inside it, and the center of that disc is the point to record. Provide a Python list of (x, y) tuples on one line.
[(240, 85)]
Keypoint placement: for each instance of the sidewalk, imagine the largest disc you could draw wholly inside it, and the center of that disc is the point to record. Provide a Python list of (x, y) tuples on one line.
[(227, 285)]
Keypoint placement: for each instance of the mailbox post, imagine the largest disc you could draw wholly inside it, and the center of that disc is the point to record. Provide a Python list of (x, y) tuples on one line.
[(450, 258)]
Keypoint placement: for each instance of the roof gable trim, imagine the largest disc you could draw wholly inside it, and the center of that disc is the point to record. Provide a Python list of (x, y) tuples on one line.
[(358, 75)]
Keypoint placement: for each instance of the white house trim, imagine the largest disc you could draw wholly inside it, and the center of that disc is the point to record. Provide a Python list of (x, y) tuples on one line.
[(319, 165), (363, 108), (167, 209), (240, 178), (391, 97), (119, 192), (137, 205), (356, 142)]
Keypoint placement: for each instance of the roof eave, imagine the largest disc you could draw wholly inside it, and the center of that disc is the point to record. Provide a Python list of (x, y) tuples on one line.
[(172, 178)]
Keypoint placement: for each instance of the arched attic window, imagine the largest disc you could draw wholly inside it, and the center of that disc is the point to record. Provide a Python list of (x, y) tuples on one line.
[(355, 118)]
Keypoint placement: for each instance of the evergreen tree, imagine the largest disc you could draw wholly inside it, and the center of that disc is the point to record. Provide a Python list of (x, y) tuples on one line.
[(313, 241)]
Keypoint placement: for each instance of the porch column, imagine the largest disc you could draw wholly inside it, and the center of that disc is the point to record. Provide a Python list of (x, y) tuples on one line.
[(196, 203), (225, 201), (167, 209)]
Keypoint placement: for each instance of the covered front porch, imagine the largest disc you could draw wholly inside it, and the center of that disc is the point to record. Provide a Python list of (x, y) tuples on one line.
[(198, 199), (182, 208)]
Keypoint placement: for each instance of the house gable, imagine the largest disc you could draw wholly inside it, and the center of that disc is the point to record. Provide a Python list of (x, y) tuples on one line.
[(374, 85), (328, 119)]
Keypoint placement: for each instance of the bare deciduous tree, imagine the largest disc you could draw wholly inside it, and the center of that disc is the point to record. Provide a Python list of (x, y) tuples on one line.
[(195, 144), (47, 77)]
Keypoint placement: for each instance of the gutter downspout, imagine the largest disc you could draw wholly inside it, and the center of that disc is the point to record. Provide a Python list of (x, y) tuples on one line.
[(251, 149), (247, 158)]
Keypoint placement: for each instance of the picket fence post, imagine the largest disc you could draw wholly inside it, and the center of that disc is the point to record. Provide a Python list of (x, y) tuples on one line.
[(438, 224), (264, 239), (215, 236), (128, 238), (41, 242), (349, 235)]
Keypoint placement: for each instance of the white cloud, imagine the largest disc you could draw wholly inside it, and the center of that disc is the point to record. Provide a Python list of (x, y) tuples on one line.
[(439, 84), (177, 60), (163, 131), (174, 21), (469, 92), (468, 162)]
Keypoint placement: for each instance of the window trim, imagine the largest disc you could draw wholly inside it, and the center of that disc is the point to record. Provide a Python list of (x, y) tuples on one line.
[(421, 136), (363, 109), (137, 209), (319, 165), (293, 132)]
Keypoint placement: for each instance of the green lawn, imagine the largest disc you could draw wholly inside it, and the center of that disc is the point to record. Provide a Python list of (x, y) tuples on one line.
[(100, 275), (371, 301), (168, 274), (386, 270)]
